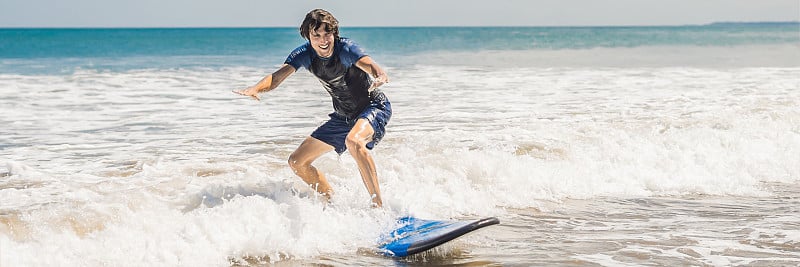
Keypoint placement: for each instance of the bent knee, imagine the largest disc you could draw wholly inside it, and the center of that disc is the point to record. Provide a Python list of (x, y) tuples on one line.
[(355, 142), (296, 162)]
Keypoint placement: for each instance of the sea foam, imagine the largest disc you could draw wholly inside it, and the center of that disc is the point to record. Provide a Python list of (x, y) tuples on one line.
[(169, 167)]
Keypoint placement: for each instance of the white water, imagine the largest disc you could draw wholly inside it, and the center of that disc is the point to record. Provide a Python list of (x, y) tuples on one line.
[(168, 167)]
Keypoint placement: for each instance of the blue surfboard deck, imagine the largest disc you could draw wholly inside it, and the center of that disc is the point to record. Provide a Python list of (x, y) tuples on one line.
[(417, 235)]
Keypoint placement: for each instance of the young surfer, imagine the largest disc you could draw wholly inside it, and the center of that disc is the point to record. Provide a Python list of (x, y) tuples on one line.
[(361, 111)]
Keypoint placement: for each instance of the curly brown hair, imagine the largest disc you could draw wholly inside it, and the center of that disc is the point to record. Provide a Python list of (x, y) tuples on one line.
[(318, 18)]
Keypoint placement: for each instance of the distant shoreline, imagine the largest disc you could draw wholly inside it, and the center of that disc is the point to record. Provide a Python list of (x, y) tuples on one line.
[(733, 23), (720, 23)]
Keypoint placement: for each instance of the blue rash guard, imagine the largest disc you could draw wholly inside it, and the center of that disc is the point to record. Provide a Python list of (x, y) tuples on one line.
[(347, 84)]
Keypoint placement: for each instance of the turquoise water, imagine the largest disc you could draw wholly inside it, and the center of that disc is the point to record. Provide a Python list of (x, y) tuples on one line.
[(64, 50)]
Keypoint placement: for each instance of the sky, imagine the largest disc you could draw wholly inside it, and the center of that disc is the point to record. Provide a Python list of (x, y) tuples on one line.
[(289, 13)]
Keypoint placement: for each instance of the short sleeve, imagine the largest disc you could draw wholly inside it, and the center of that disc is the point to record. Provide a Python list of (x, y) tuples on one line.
[(300, 57), (351, 52)]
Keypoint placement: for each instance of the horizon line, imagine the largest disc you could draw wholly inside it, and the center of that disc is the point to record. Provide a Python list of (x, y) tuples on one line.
[(408, 26)]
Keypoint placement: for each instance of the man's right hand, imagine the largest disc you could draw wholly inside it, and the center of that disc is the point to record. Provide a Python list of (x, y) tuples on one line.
[(251, 91)]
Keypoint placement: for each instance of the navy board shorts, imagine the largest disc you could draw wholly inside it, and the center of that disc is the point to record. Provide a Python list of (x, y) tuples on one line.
[(334, 131)]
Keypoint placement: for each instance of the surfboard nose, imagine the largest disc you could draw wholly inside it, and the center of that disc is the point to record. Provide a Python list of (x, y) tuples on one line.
[(417, 235)]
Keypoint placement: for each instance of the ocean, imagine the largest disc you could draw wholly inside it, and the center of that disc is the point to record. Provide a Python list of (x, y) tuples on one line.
[(594, 146)]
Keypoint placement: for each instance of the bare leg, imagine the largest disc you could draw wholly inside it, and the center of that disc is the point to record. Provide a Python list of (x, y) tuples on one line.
[(301, 160), (356, 143)]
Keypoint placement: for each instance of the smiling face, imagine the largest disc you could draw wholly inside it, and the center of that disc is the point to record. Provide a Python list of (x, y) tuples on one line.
[(321, 29), (321, 40)]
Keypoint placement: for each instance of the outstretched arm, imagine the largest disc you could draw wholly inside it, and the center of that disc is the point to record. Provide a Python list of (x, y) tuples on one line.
[(268, 83), (370, 66)]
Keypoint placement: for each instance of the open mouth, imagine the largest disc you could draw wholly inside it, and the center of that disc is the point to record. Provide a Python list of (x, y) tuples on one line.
[(325, 50)]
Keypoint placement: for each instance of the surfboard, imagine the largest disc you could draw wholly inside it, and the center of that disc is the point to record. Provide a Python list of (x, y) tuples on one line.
[(416, 235)]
